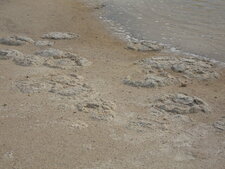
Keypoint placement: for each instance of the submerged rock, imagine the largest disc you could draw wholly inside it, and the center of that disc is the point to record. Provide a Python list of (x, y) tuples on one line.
[(6, 54), (43, 43), (60, 35), (144, 46), (179, 104)]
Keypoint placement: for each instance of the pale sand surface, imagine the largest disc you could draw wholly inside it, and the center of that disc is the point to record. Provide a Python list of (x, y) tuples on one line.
[(47, 130)]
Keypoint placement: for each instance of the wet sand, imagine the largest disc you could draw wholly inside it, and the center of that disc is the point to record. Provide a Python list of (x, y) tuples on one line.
[(85, 116)]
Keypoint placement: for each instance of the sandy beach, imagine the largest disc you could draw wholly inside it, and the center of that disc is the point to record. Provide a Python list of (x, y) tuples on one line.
[(72, 95)]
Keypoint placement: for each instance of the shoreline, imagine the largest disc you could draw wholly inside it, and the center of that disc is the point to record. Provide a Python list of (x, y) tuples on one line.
[(86, 100), (127, 16)]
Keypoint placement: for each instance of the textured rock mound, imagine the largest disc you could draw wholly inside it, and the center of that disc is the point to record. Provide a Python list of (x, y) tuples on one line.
[(61, 59), (165, 71), (144, 46), (51, 52), (11, 41), (9, 54), (151, 81), (28, 60), (99, 109), (179, 104), (189, 67), (60, 35), (23, 38), (70, 89), (43, 43)]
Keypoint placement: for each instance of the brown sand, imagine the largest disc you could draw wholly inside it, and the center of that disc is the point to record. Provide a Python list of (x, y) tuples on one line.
[(35, 133)]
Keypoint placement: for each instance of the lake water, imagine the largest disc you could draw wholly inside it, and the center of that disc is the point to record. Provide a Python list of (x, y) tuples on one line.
[(193, 26)]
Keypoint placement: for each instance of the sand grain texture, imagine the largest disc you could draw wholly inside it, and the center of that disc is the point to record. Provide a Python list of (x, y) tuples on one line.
[(61, 111)]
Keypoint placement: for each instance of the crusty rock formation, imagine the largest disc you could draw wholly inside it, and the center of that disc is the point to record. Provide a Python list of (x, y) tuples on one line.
[(6, 54), (60, 35), (179, 104)]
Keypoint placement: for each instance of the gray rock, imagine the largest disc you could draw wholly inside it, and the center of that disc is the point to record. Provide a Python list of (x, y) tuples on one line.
[(23, 38), (11, 41), (60, 35), (220, 124), (98, 108), (179, 104), (28, 60), (28, 86), (9, 53), (51, 52), (43, 43), (151, 81), (188, 67)]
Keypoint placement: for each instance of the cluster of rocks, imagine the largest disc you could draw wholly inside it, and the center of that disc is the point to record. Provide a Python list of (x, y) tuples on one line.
[(22, 40), (151, 81), (50, 57), (144, 46), (163, 71), (179, 104), (53, 58), (9, 54), (168, 112), (70, 88)]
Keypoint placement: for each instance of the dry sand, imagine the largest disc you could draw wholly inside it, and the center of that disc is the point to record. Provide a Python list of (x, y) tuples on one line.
[(85, 116)]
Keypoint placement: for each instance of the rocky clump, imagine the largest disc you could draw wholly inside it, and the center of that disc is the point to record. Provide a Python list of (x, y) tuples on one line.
[(99, 109), (152, 81), (11, 41), (9, 54), (23, 38), (179, 104), (70, 89), (28, 60), (220, 124), (60, 35), (61, 59), (144, 46), (51, 52), (188, 67), (16, 40), (164, 71), (41, 43)]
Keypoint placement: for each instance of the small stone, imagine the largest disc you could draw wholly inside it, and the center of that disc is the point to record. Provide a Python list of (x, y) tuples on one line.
[(60, 35)]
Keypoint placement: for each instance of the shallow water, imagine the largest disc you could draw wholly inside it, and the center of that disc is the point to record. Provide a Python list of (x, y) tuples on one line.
[(194, 26)]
